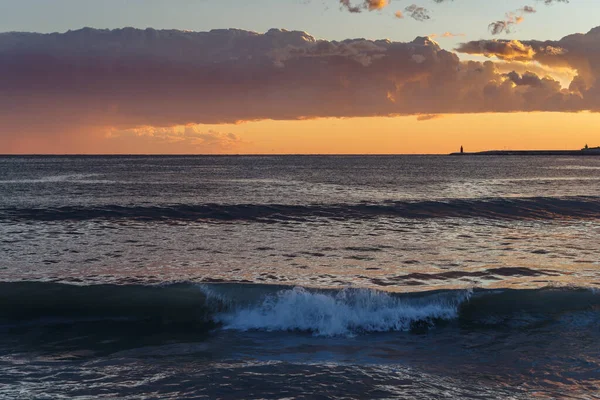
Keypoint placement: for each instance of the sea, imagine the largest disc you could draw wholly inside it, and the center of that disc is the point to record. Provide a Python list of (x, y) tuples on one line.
[(299, 277)]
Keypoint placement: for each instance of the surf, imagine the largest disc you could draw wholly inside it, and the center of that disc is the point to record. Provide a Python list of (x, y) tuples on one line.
[(191, 307)]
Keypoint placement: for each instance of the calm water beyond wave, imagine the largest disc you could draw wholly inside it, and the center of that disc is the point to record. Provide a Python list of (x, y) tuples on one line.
[(402, 277)]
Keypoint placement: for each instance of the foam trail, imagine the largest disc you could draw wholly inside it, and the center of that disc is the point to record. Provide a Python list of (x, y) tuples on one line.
[(345, 312), (64, 178)]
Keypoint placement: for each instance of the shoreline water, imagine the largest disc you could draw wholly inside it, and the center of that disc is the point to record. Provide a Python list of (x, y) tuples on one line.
[(406, 277)]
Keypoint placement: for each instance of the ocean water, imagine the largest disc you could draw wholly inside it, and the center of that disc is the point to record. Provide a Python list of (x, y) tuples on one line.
[(300, 277)]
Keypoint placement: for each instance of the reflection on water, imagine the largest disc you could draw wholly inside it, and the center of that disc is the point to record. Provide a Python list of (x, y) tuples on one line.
[(365, 238), (400, 255)]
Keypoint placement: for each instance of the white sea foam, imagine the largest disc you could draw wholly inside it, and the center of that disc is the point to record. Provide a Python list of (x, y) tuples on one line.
[(76, 178), (345, 312)]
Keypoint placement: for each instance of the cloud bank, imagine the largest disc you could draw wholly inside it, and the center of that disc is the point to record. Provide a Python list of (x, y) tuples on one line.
[(127, 78)]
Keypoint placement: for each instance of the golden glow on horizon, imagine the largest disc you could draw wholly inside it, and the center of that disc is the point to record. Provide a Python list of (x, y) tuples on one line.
[(433, 134)]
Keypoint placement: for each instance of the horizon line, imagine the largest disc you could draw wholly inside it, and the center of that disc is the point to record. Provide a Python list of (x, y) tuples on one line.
[(264, 154)]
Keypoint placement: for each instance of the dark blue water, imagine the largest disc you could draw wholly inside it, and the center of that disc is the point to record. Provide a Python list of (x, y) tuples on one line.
[(299, 277)]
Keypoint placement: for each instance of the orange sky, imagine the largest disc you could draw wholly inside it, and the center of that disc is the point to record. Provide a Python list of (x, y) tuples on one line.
[(406, 135), (375, 135), (521, 94)]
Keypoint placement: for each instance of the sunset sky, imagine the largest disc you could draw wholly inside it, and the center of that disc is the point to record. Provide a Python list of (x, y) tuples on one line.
[(214, 77)]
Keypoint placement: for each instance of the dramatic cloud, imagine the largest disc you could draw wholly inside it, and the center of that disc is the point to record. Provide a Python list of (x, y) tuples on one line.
[(503, 49), (580, 52), (564, 75), (124, 81)]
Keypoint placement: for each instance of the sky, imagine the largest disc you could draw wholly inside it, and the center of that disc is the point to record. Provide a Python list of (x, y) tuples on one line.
[(405, 85)]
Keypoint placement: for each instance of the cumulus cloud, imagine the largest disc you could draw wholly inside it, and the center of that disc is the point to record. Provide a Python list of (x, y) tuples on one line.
[(564, 75), (127, 80), (579, 52)]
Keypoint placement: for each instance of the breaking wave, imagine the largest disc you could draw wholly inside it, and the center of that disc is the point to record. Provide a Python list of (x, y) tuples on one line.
[(190, 308), (345, 312)]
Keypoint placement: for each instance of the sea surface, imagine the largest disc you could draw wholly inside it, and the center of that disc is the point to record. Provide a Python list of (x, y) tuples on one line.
[(300, 277)]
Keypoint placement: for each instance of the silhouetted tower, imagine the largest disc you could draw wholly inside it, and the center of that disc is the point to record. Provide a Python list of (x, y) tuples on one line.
[(461, 150)]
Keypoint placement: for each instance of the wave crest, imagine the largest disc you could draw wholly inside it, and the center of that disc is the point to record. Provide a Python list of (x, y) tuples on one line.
[(346, 312), (530, 208), (191, 309)]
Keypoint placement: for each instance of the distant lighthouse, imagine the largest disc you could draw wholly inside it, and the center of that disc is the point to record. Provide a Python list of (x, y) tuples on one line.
[(462, 151)]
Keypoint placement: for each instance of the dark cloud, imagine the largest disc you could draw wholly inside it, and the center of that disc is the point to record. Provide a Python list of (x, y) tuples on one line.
[(504, 25), (510, 20), (122, 79), (356, 7), (428, 117), (506, 50), (417, 12), (498, 27), (527, 79), (414, 11)]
